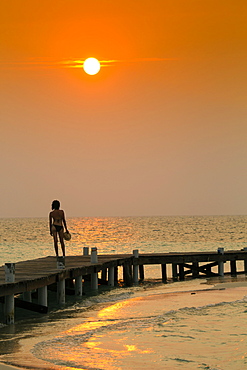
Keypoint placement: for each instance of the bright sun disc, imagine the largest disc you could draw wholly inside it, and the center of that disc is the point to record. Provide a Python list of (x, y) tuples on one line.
[(91, 66)]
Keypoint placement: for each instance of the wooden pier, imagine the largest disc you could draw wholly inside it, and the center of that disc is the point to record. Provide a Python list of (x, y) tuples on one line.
[(19, 281)]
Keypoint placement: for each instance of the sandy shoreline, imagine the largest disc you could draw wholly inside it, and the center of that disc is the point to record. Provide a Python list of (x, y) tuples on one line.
[(169, 297)]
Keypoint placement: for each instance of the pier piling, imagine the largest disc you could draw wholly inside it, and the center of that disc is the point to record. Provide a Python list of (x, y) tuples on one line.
[(221, 263), (78, 286), (94, 275), (141, 272), (111, 276), (135, 267), (94, 280), (42, 296), (164, 272), (61, 291), (174, 271)]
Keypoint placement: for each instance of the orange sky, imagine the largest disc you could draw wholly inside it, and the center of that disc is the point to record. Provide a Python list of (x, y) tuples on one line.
[(160, 131)]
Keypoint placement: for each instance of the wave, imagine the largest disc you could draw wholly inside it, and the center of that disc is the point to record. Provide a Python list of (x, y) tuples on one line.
[(95, 337)]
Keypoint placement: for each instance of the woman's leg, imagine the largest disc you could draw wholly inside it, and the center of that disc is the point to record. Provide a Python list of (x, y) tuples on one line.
[(54, 233), (62, 241)]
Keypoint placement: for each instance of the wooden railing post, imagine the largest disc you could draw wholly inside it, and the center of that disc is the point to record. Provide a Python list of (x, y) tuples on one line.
[(94, 256), (85, 251), (60, 263)]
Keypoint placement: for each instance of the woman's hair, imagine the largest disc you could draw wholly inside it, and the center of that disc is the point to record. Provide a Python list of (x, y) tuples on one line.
[(55, 204)]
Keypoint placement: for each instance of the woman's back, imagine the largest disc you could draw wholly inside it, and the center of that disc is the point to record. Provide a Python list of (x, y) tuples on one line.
[(58, 216)]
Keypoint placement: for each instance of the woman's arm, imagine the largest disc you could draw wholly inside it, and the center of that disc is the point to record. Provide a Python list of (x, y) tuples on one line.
[(64, 221), (50, 223)]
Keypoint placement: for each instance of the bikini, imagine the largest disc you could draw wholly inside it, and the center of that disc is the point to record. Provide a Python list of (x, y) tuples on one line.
[(58, 227)]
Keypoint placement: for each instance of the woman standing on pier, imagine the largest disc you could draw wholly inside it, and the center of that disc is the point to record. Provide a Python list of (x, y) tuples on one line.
[(57, 221)]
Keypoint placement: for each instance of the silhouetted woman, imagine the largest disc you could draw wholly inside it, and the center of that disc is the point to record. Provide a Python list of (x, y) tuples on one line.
[(57, 222)]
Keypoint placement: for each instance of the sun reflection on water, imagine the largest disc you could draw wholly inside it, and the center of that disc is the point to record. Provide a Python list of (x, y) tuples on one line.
[(112, 310), (94, 348)]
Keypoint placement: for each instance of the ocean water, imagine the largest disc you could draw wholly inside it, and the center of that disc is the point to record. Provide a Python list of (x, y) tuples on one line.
[(22, 239), (194, 324)]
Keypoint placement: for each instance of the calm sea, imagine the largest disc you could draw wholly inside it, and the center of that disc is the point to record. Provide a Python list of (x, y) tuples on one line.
[(172, 326)]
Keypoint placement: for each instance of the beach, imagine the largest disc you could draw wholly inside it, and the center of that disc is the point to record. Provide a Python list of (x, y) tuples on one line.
[(125, 334)]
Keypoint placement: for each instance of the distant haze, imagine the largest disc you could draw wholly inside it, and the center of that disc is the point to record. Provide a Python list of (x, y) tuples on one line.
[(142, 137)]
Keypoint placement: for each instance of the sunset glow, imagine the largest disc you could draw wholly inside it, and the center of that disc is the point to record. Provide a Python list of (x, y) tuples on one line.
[(164, 105)]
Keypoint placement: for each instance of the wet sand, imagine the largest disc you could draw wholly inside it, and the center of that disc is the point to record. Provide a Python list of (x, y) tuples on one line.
[(170, 297)]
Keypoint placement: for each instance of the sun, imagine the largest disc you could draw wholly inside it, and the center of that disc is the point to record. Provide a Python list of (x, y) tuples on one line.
[(91, 66)]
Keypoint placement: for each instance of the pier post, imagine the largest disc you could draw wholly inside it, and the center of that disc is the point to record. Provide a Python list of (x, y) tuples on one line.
[(42, 296), (94, 275), (174, 272), (61, 291), (195, 273), (221, 263), (9, 309), (127, 274), (94, 280), (60, 263), (245, 262), (104, 274), (9, 301), (164, 273), (116, 274), (9, 269), (141, 272), (181, 271), (111, 276), (78, 285), (85, 251), (94, 256), (135, 267), (233, 265)]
